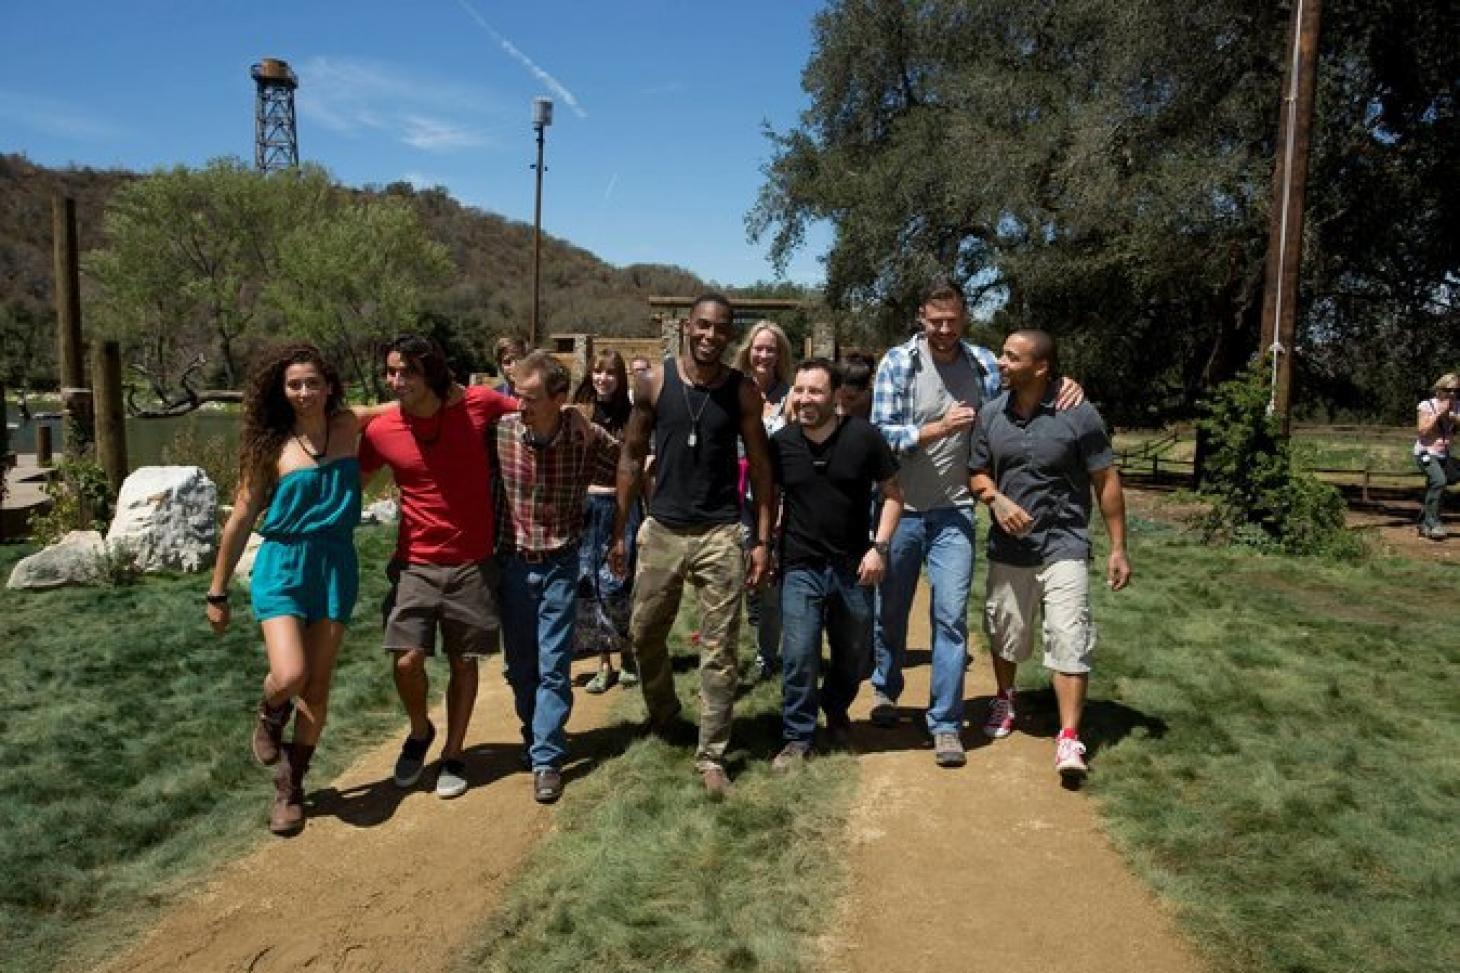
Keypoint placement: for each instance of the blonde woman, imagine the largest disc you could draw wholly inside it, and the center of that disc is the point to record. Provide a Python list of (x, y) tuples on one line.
[(765, 355), (1437, 419)]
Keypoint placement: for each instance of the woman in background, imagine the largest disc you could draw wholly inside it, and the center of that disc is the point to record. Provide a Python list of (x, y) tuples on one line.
[(1436, 422), (764, 355), (602, 624), (297, 467)]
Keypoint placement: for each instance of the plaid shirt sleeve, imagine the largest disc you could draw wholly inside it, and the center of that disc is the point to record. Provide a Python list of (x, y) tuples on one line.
[(603, 464), (990, 365), (892, 401)]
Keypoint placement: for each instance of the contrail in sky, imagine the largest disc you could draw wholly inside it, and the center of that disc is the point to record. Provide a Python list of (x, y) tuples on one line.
[(547, 79), (612, 182)]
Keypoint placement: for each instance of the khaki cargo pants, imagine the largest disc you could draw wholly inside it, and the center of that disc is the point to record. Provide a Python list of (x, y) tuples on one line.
[(713, 561)]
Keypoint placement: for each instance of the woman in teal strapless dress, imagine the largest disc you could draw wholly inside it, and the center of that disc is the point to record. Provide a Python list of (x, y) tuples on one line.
[(297, 467)]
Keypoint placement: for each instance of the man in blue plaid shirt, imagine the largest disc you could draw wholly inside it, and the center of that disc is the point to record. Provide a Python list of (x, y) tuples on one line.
[(927, 394)]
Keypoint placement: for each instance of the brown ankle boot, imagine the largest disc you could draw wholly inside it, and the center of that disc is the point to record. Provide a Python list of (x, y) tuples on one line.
[(287, 815), (268, 731)]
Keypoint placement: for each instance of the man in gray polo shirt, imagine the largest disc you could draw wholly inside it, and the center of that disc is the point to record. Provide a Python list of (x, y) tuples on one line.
[(1034, 467)]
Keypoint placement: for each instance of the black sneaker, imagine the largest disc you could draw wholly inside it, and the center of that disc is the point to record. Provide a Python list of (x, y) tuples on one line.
[(547, 785), (412, 759)]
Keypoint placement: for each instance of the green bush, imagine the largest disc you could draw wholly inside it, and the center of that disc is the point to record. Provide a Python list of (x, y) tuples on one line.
[(80, 500), (217, 458), (1259, 498)]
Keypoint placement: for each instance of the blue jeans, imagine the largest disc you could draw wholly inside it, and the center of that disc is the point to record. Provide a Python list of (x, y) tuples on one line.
[(539, 602), (813, 598), (944, 539)]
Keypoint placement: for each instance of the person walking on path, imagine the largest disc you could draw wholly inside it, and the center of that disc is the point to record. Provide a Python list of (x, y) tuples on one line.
[(443, 575), (603, 604), (827, 465), (695, 407), (298, 467), (1437, 419), (926, 396), (765, 355), (545, 464), (1034, 468)]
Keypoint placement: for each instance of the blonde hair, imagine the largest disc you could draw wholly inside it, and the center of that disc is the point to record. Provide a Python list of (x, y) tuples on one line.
[(1449, 380), (783, 350)]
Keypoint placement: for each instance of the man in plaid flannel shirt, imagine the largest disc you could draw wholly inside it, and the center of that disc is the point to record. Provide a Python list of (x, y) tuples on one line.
[(545, 464), (925, 399)]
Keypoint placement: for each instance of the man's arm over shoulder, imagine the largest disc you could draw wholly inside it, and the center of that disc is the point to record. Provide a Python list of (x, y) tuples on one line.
[(490, 404)]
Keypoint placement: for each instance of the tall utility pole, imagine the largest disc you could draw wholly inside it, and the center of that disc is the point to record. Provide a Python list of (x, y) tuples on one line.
[(542, 117), (1289, 183), (70, 354)]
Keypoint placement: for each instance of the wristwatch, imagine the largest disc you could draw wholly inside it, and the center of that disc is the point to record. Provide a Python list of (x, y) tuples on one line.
[(882, 547), (213, 599)]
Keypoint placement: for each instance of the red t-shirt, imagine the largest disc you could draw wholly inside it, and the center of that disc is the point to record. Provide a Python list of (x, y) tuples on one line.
[(444, 474)]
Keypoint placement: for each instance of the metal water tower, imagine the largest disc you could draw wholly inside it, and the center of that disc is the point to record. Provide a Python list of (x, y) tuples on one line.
[(276, 139)]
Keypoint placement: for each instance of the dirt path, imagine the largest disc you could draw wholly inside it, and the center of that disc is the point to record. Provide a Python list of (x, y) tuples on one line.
[(994, 866), (389, 879)]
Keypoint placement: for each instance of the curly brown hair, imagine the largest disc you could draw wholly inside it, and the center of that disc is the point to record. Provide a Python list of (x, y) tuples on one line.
[(268, 419)]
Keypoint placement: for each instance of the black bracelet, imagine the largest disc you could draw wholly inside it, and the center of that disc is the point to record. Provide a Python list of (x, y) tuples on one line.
[(213, 599)]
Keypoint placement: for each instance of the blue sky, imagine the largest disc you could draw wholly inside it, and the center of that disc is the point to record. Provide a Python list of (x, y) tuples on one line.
[(654, 154)]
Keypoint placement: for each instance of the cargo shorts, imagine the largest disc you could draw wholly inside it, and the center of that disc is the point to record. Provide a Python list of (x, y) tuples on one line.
[(1060, 592)]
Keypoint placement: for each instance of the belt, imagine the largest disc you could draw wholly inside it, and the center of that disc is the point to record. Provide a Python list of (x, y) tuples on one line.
[(540, 557)]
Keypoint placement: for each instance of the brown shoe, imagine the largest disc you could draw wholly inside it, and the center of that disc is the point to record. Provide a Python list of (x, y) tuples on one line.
[(268, 731), (793, 756), (716, 781), (287, 815)]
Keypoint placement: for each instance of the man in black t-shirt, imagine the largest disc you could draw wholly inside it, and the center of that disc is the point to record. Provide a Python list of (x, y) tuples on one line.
[(827, 466)]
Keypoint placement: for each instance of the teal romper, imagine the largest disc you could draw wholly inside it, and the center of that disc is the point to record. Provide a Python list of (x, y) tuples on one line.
[(306, 567)]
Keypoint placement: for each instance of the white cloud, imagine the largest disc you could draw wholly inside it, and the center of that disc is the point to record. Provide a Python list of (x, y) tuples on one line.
[(550, 82), (434, 135), (351, 96), (608, 192), (53, 117)]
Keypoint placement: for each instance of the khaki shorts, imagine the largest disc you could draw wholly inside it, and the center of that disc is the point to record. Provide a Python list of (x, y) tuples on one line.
[(459, 599), (1060, 591)]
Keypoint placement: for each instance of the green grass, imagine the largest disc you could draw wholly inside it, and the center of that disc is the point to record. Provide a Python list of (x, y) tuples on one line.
[(124, 768), (645, 873), (1288, 773), (1275, 744)]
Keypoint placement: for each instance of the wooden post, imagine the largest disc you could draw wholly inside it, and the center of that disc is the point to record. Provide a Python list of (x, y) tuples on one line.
[(70, 355), (111, 427), (1365, 493), (43, 451), (1289, 183)]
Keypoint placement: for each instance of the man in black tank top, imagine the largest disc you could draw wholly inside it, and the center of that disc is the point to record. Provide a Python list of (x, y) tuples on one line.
[(694, 406)]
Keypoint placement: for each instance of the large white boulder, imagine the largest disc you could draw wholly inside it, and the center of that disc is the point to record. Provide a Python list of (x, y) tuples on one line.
[(167, 517), (74, 559), (385, 511)]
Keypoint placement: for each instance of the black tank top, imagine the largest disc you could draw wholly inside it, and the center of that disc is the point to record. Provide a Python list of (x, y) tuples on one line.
[(696, 467)]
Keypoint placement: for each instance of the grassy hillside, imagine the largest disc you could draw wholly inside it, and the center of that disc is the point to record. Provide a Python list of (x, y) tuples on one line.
[(490, 293)]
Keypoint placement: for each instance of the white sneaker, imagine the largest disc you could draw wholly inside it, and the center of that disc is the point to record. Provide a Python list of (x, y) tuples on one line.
[(1069, 758)]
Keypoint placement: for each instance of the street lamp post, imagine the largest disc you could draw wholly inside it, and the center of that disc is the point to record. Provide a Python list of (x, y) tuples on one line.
[(542, 117)]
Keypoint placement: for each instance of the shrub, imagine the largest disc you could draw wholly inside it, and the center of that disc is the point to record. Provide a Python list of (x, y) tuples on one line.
[(80, 500), (1258, 497), (212, 453)]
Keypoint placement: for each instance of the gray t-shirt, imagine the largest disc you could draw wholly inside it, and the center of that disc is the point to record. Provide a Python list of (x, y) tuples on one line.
[(1043, 464), (935, 475)]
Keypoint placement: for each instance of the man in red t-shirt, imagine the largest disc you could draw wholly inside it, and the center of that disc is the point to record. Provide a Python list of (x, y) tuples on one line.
[(443, 574)]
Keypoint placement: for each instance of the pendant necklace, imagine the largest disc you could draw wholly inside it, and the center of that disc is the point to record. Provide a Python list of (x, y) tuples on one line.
[(304, 445), (694, 417)]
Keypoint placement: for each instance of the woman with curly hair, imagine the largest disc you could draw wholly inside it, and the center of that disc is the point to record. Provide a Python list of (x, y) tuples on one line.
[(298, 467), (602, 625)]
